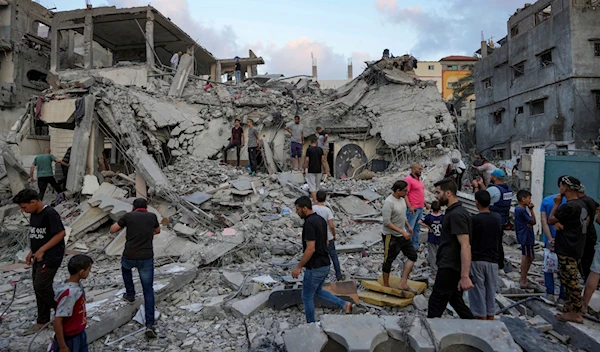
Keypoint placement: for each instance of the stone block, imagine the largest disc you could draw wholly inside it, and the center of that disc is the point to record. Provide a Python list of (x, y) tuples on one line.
[(234, 278), (90, 185), (249, 306), (183, 229), (110, 190), (115, 207), (357, 333), (305, 338), (485, 336)]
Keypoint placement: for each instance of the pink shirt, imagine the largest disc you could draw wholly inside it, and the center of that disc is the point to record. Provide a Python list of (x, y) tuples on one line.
[(416, 192)]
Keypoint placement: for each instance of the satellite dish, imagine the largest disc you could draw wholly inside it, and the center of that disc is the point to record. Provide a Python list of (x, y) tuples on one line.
[(349, 160)]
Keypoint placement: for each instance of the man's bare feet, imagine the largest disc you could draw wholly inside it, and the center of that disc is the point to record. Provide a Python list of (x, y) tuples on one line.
[(570, 316), (348, 308)]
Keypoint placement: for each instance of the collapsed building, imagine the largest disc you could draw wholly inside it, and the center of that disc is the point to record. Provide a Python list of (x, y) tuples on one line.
[(137, 129)]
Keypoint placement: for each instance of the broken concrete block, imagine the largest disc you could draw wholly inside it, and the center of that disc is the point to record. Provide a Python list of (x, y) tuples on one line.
[(115, 207), (110, 190), (242, 184), (89, 220), (420, 302), (529, 338), (358, 333), (304, 338), (491, 336), (85, 82), (184, 230), (213, 307), (197, 197), (353, 205), (90, 185), (234, 278), (247, 307)]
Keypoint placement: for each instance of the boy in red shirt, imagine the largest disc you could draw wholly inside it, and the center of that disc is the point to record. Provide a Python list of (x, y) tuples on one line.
[(71, 318)]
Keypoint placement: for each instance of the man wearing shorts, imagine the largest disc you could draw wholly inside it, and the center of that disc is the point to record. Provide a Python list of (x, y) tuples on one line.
[(295, 129), (312, 163), (396, 234)]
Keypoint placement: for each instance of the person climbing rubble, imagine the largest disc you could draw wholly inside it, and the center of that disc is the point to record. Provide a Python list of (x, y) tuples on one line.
[(47, 249), (325, 212), (415, 201), (45, 175), (312, 168), (315, 261), (454, 255), (253, 146), (141, 227), (455, 171), (483, 166), (296, 130), (322, 143), (396, 235), (175, 60)]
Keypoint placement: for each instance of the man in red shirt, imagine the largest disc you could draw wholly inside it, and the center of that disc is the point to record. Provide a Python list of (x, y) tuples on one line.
[(236, 140), (70, 320), (415, 201)]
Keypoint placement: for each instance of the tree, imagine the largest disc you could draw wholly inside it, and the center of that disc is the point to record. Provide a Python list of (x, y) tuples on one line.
[(463, 89)]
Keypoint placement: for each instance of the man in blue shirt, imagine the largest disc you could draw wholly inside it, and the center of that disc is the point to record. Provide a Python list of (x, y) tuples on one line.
[(549, 234), (524, 230)]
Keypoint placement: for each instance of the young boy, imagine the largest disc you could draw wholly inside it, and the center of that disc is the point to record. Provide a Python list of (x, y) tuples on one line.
[(524, 230), (326, 213), (46, 239), (71, 318), (549, 235), (433, 221)]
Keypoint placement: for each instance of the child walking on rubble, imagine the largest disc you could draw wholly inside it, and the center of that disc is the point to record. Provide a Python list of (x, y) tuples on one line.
[(71, 318), (433, 221)]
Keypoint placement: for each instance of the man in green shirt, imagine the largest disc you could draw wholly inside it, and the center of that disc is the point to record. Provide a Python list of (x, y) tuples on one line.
[(44, 172)]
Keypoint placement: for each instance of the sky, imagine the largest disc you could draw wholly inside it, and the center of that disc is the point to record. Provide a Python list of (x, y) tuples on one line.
[(285, 33)]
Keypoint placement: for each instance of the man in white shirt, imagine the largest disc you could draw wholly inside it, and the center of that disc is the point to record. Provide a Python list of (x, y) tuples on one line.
[(175, 60), (455, 171), (325, 212)]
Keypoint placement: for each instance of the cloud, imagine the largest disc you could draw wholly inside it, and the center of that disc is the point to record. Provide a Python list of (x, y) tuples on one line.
[(454, 27)]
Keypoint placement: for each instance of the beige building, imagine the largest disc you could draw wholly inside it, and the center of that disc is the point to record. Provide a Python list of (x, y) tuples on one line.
[(430, 71)]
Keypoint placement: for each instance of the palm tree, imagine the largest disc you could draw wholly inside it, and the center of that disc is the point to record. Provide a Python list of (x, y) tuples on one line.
[(463, 89)]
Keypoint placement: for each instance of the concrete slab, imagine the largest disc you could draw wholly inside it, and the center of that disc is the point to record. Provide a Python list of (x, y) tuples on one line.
[(216, 248), (80, 146), (249, 306), (234, 278), (184, 230), (110, 190), (583, 336), (350, 248), (368, 194), (353, 205), (358, 333), (198, 197), (181, 76), (530, 339), (241, 184), (89, 220), (90, 184), (115, 207), (305, 338), (484, 335), (110, 313)]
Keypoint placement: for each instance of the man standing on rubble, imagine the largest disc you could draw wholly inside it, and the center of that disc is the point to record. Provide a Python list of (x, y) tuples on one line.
[(322, 143), (315, 260), (175, 60), (47, 248), (253, 146), (500, 193), (296, 130), (486, 169), (325, 212), (235, 141), (591, 235), (396, 235), (238, 71), (572, 218), (141, 226), (415, 201), (45, 176), (454, 255), (313, 162)]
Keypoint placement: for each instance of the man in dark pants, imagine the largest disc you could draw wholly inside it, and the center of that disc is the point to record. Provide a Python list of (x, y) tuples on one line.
[(253, 146), (315, 260), (591, 236), (44, 172), (46, 237), (139, 253), (454, 255), (65, 170), (235, 141)]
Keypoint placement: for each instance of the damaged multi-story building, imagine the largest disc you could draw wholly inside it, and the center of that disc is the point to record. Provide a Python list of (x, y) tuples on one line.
[(541, 87), (24, 65)]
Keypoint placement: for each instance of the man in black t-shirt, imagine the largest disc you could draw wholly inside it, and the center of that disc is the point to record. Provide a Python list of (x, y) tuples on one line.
[(47, 248), (572, 219), (235, 141), (590, 242), (453, 256), (315, 260), (313, 162), (141, 227)]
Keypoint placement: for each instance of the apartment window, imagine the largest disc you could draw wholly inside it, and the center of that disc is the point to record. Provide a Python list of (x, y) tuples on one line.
[(536, 107), (519, 69), (431, 67), (498, 154), (598, 100), (498, 116), (543, 15), (514, 30), (546, 58), (597, 49), (487, 83), (452, 67), (519, 110), (39, 129)]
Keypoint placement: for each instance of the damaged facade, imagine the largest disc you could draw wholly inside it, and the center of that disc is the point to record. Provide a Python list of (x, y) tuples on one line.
[(541, 88)]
